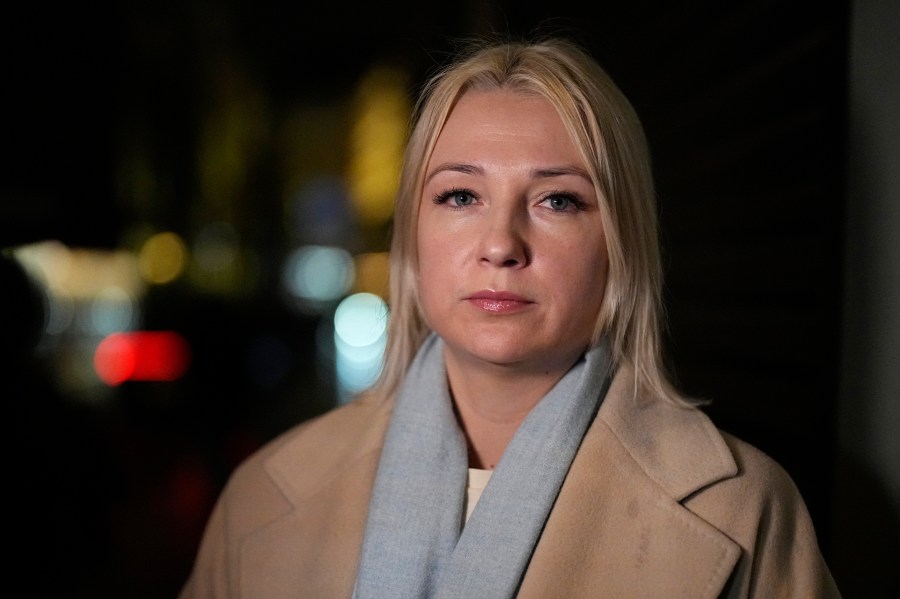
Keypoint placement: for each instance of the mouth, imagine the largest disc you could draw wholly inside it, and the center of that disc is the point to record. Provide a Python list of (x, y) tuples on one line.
[(499, 302)]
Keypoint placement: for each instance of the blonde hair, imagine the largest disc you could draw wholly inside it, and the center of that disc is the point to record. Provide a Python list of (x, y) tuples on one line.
[(605, 128)]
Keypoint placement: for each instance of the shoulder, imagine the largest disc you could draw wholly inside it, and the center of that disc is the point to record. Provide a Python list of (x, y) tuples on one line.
[(761, 488), (740, 491), (759, 506), (299, 460), (684, 452), (293, 475), (762, 510), (758, 473), (728, 483), (676, 446), (331, 432)]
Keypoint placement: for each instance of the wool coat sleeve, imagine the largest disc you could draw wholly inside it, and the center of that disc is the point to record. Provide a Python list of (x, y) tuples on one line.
[(208, 577)]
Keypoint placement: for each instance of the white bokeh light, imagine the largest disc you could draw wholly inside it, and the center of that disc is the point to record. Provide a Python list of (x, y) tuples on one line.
[(360, 333), (318, 274)]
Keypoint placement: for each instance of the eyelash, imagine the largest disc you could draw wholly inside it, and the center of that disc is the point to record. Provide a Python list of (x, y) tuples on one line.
[(576, 201), (444, 198)]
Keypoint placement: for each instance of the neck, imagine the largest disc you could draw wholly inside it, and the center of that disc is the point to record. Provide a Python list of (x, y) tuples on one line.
[(491, 401)]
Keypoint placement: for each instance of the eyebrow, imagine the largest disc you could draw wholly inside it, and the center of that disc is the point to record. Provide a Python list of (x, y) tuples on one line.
[(559, 171), (456, 167), (541, 173)]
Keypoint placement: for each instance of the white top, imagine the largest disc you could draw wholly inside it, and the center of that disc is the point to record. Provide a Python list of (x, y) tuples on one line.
[(478, 480)]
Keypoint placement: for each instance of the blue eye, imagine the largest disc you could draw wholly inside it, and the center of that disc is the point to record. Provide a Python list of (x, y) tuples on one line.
[(559, 202), (462, 198), (563, 202), (457, 198)]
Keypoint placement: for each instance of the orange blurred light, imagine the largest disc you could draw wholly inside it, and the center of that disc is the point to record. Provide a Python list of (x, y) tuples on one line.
[(141, 356)]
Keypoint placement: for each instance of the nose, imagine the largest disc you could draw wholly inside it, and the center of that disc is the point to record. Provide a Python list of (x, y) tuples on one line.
[(503, 242)]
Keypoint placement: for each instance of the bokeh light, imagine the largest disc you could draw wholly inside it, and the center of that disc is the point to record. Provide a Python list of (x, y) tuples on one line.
[(372, 273), (59, 312), (318, 275), (141, 356), (377, 142), (112, 310), (360, 334), (81, 273), (162, 258)]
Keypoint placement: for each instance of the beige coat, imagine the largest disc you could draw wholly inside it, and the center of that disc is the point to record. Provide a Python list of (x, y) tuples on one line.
[(658, 503)]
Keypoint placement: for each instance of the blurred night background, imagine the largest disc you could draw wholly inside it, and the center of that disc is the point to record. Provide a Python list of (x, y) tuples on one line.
[(195, 214)]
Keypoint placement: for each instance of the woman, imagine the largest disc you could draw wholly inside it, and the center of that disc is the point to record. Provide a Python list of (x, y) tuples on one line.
[(524, 349)]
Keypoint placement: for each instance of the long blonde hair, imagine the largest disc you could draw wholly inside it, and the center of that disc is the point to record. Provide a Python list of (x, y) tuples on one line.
[(606, 130)]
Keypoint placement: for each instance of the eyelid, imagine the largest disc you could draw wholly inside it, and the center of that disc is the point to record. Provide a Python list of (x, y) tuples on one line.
[(577, 201), (442, 197)]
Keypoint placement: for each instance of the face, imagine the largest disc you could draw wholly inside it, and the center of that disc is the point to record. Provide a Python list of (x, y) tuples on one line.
[(512, 254)]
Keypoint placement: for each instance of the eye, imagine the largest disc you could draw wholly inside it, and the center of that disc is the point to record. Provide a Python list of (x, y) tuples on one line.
[(563, 202), (457, 198)]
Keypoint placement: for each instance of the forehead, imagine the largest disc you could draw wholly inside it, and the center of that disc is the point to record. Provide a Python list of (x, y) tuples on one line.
[(504, 123)]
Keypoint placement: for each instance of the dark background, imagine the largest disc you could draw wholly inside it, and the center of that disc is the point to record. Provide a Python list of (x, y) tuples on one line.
[(745, 107)]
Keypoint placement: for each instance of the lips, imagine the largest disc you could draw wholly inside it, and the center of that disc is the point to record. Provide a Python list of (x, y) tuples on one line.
[(498, 302)]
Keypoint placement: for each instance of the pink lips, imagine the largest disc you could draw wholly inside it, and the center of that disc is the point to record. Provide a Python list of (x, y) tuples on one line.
[(499, 302)]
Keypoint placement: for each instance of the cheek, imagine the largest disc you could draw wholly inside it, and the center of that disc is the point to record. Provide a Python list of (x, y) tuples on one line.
[(428, 241), (431, 276), (429, 258), (580, 269), (435, 293), (583, 297), (442, 252), (597, 281), (580, 288)]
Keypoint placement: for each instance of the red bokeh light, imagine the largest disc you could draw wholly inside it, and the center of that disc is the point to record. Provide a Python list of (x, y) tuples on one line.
[(141, 356)]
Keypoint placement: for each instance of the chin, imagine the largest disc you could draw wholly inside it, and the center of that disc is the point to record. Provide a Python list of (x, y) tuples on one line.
[(502, 351)]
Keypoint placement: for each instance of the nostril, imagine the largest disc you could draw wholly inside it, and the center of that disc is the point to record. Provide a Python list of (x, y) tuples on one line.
[(504, 247)]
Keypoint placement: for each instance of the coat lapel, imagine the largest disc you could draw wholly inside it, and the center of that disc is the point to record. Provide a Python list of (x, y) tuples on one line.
[(312, 549), (617, 528)]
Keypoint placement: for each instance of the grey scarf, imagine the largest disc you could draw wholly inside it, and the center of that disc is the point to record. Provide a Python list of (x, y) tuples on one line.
[(415, 546)]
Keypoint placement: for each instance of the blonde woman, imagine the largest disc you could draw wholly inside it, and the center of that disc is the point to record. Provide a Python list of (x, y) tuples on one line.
[(523, 439)]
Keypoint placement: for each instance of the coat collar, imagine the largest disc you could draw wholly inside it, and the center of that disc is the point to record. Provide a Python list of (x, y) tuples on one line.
[(337, 439), (617, 525), (618, 528), (325, 471), (677, 447)]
